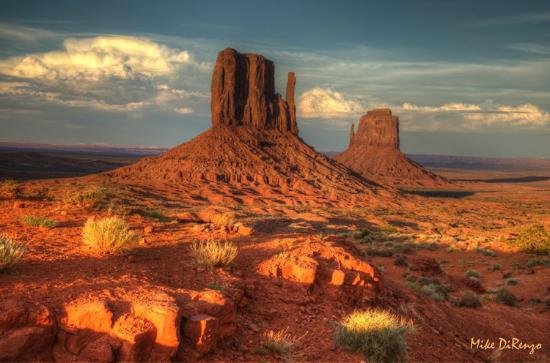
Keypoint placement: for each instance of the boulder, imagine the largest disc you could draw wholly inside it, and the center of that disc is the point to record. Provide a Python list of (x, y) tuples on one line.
[(86, 314), (137, 336)]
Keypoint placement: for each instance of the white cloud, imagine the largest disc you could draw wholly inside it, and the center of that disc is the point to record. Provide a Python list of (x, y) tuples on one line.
[(108, 73), (454, 116), (23, 33), (325, 103)]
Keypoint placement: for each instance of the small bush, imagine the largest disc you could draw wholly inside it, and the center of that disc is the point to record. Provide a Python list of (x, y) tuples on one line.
[(280, 342), (154, 214), (495, 267), (93, 198), (400, 261), (512, 281), (226, 219), (537, 262), (378, 334), (108, 235), (506, 297), (534, 239), (427, 286), (34, 221), (213, 252), (487, 252), (469, 299), (11, 252), (9, 189), (379, 252), (472, 273)]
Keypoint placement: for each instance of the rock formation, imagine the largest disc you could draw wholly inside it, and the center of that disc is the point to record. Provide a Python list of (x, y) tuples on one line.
[(252, 152), (374, 152), (243, 93)]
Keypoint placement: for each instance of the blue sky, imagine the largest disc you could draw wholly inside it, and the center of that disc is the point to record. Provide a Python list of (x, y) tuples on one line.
[(467, 78)]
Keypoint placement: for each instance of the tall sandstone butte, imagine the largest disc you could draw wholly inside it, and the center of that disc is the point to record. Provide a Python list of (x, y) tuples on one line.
[(252, 153), (243, 93), (374, 152)]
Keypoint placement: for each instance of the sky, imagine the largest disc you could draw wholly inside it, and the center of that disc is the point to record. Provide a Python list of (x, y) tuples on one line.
[(464, 77)]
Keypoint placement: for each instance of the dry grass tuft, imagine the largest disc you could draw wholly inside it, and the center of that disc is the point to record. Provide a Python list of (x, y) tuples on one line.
[(11, 252), (280, 342), (108, 235), (93, 197), (213, 252), (9, 189), (226, 219), (534, 239), (378, 334)]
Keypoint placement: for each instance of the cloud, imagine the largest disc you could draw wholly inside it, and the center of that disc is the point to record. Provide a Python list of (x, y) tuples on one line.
[(108, 73), (530, 48), (457, 116), (527, 18), (325, 103), (24, 33)]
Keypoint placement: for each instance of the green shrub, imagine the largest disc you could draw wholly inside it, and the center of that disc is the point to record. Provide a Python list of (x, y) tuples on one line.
[(487, 252), (473, 273), (534, 239), (93, 198), (108, 235), (154, 214), (506, 297), (34, 221), (495, 267), (537, 262), (378, 334), (469, 299), (9, 189), (11, 252), (213, 252), (512, 281), (427, 286)]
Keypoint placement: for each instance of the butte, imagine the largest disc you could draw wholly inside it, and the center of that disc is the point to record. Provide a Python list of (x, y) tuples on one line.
[(374, 153), (252, 154)]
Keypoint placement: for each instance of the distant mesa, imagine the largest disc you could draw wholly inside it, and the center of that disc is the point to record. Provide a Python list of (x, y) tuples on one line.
[(252, 152), (374, 152)]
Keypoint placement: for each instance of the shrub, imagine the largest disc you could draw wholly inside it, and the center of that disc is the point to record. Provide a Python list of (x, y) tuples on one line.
[(213, 252), (427, 286), (9, 188), (473, 273), (487, 252), (108, 235), (469, 299), (378, 334), (380, 252), (279, 341), (537, 262), (400, 261), (495, 267), (154, 214), (93, 198), (34, 221), (11, 252), (506, 297), (512, 281), (226, 219), (533, 239)]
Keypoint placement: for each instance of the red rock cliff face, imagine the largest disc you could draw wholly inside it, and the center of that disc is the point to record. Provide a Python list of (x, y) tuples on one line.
[(243, 93), (377, 128)]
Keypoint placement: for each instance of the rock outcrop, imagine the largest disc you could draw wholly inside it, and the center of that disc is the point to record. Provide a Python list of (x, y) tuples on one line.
[(252, 151), (374, 152), (243, 93)]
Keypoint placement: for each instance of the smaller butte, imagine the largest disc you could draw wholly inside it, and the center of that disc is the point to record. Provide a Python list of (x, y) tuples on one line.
[(374, 153)]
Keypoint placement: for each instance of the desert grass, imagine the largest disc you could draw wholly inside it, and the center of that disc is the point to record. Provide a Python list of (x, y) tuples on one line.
[(95, 197), (472, 273), (280, 342), (378, 334), (108, 235), (34, 221), (9, 189), (213, 252), (429, 286), (534, 239), (469, 299), (226, 219), (11, 252)]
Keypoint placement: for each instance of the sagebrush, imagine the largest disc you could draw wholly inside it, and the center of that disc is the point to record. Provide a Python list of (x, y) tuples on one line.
[(108, 235)]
